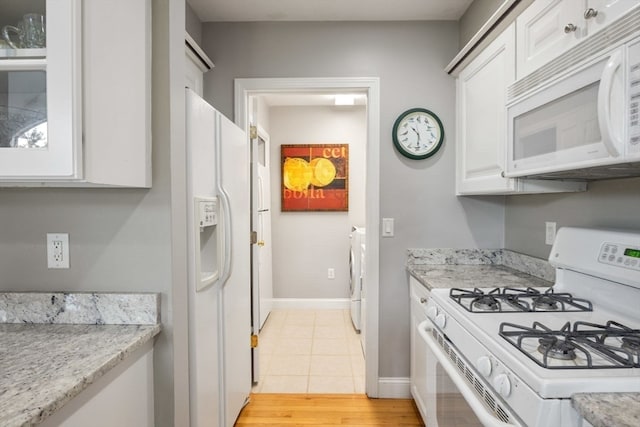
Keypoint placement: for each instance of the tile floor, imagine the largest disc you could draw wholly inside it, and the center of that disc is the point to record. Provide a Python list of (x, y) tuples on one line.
[(310, 351)]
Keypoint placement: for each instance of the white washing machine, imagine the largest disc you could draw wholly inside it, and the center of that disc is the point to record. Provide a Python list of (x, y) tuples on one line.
[(355, 289)]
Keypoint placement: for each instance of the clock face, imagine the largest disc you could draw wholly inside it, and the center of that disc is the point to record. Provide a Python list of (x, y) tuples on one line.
[(418, 133)]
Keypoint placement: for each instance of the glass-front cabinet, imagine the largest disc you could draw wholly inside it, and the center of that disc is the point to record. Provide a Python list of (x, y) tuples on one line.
[(75, 93), (40, 83)]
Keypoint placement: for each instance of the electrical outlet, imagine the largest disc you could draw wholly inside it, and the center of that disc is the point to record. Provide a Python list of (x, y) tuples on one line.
[(550, 232), (331, 273), (57, 250)]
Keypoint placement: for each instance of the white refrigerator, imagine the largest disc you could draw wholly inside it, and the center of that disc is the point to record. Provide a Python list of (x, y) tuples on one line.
[(219, 265)]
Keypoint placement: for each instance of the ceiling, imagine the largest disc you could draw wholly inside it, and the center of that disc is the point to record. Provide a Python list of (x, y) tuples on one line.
[(328, 10)]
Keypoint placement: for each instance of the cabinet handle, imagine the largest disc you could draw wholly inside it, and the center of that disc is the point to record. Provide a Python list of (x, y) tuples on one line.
[(590, 13), (502, 174), (423, 300), (569, 28)]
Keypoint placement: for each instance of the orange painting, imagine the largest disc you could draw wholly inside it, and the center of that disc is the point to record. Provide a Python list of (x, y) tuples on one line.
[(315, 177)]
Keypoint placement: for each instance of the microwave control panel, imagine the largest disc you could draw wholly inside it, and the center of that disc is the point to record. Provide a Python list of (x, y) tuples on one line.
[(634, 98)]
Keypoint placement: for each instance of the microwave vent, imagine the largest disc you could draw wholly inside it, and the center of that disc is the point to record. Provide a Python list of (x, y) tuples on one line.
[(604, 39), (620, 170)]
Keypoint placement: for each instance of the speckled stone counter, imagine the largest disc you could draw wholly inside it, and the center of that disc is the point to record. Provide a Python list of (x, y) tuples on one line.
[(45, 360), (477, 268), (609, 409)]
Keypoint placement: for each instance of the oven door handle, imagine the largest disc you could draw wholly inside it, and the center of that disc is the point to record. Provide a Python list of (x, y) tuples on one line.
[(486, 418)]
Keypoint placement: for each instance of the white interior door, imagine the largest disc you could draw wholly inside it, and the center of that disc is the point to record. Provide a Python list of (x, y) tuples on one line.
[(261, 270), (265, 277)]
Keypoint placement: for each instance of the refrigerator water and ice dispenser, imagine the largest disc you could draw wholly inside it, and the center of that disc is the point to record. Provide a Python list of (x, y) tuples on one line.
[(207, 241)]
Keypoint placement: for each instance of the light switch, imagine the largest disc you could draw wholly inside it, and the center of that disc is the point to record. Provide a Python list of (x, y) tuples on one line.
[(387, 227)]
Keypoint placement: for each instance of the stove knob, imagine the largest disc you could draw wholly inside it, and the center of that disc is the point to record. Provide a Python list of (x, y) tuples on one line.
[(432, 311), (484, 365), (502, 385), (441, 320)]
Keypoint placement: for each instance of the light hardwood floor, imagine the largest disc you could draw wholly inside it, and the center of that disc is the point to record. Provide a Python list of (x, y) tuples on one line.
[(325, 410)]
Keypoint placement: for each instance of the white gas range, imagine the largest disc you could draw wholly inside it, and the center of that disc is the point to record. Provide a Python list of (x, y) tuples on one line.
[(517, 356)]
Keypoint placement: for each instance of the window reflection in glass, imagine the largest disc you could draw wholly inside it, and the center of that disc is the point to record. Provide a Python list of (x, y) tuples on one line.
[(23, 109)]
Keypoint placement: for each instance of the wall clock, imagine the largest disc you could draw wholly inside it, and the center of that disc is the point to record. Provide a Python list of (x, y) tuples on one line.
[(418, 133)]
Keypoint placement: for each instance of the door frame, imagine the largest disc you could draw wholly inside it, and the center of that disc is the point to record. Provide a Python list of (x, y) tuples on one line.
[(244, 88)]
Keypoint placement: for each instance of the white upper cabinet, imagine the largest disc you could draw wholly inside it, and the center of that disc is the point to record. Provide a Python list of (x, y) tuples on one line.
[(545, 30), (548, 28), (196, 64), (481, 151), (40, 101), (482, 132), (75, 87), (600, 13)]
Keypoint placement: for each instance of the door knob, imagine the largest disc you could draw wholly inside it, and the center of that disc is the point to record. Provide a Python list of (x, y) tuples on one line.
[(590, 13), (569, 28), (260, 242)]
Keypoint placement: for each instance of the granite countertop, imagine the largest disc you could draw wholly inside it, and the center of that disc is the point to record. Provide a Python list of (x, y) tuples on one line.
[(476, 268), (479, 268), (609, 409), (54, 345), (473, 276)]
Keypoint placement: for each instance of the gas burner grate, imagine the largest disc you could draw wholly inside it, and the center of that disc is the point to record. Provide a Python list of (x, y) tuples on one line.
[(583, 346), (511, 300)]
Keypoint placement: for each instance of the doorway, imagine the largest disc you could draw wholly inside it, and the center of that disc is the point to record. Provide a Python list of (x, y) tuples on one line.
[(246, 89)]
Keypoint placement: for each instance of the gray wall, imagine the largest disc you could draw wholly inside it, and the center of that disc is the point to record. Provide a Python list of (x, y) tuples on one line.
[(409, 58), (193, 24), (120, 239), (613, 204), (306, 244), (475, 16)]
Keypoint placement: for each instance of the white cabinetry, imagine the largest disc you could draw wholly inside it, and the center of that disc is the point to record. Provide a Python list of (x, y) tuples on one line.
[(418, 298), (600, 13), (548, 28), (77, 111), (196, 64), (121, 397), (481, 151), (40, 103), (482, 127)]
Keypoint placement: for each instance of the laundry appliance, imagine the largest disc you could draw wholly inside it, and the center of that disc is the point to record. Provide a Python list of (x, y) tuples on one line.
[(355, 285)]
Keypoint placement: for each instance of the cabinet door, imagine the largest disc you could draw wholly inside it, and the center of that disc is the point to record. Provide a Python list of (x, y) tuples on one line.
[(40, 96), (482, 123), (116, 48), (600, 13), (418, 348), (194, 78), (546, 29)]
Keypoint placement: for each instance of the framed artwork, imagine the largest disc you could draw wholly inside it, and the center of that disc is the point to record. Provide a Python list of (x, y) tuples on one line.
[(315, 177)]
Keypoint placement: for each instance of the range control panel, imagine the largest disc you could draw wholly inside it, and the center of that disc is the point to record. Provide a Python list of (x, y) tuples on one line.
[(620, 255)]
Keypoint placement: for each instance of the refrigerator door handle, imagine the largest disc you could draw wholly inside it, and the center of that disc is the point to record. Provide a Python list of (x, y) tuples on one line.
[(226, 237)]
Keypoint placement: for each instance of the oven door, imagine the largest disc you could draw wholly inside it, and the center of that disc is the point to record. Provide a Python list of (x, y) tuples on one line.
[(450, 400)]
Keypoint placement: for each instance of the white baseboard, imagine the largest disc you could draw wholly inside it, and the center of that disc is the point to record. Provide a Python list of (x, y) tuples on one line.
[(394, 388), (311, 303)]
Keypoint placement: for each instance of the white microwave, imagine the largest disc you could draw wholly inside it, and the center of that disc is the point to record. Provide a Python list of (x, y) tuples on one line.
[(583, 125)]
